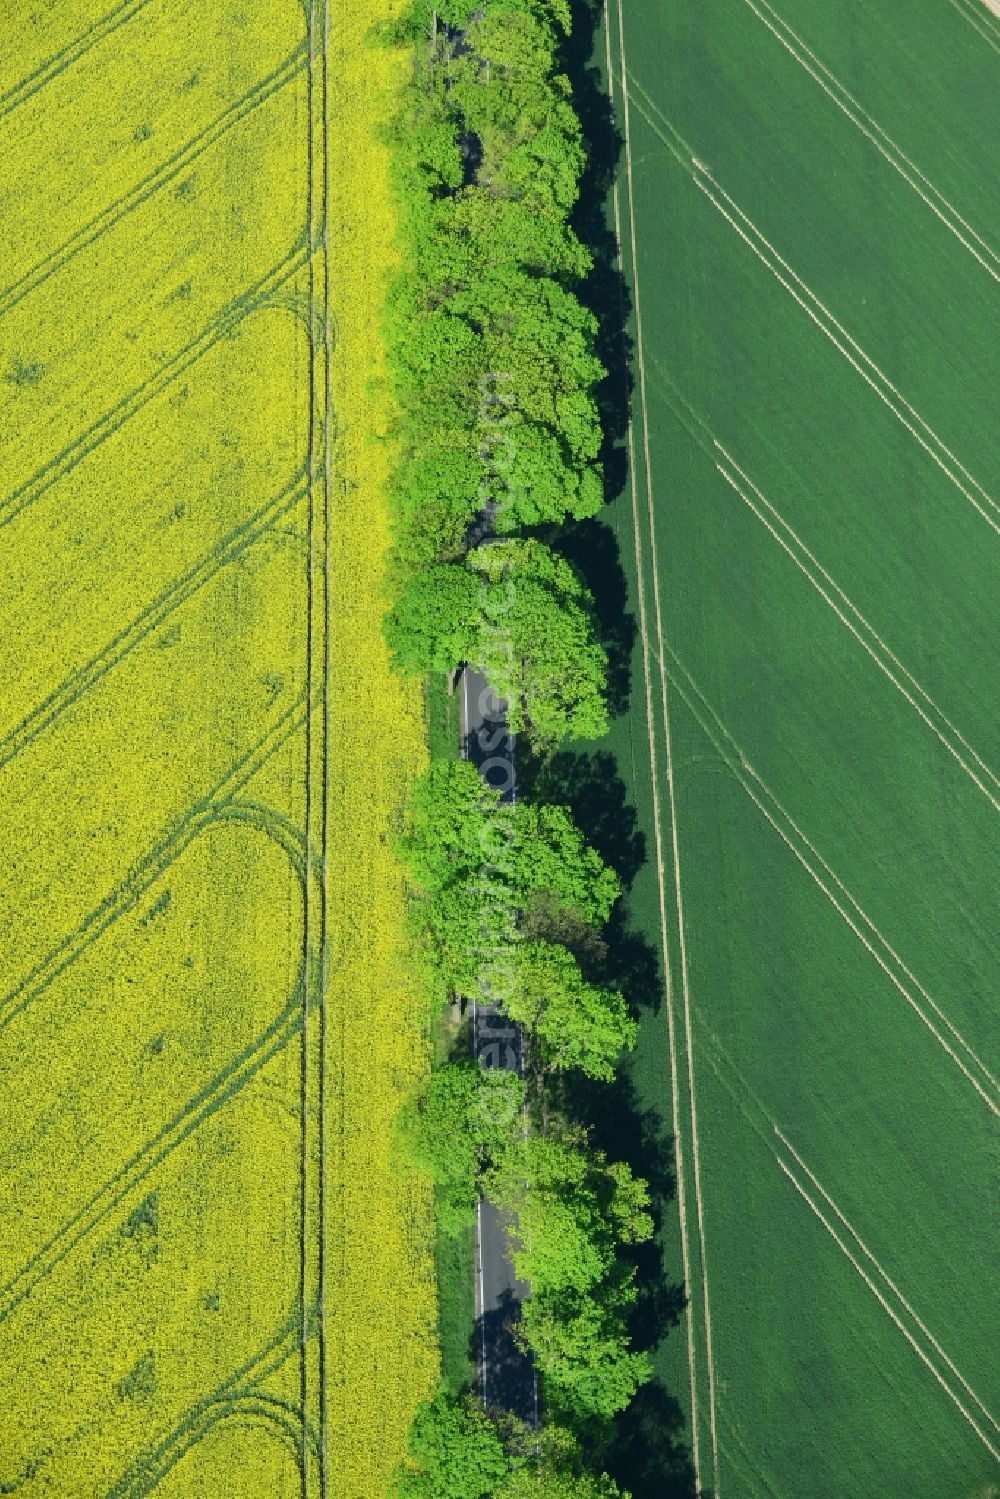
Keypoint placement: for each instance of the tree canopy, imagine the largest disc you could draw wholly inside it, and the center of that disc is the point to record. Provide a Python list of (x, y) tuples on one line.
[(493, 367), (537, 644), (461, 1122), (487, 157), (479, 869), (573, 1023), (573, 1210), (455, 1452)]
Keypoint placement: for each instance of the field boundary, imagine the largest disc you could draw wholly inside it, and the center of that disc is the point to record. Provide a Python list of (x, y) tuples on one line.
[(665, 940)]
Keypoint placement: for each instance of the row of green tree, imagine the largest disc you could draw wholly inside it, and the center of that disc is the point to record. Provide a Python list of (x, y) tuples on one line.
[(510, 898), (461, 1452), (493, 366)]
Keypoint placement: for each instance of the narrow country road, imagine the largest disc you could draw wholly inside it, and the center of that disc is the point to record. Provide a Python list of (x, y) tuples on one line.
[(506, 1375)]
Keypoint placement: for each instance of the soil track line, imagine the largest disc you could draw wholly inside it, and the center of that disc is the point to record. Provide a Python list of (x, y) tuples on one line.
[(979, 22), (250, 1406), (743, 765), (71, 53), (657, 818), (79, 682), (883, 1303), (766, 1130), (328, 417), (709, 444), (758, 1478), (305, 1075), (252, 1411), (734, 485), (928, 700), (213, 1094), (231, 1080), (150, 185), (136, 1481), (207, 1101), (885, 1277), (127, 893), (844, 343), (892, 153), (224, 324)]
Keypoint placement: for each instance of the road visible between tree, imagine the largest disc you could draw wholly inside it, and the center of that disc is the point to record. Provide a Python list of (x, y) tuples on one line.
[(506, 1375)]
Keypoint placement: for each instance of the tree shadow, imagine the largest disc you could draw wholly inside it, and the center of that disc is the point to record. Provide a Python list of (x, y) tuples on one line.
[(604, 290), (589, 784), (647, 1447), (592, 547), (633, 964), (629, 1131), (646, 1450), (510, 1376)]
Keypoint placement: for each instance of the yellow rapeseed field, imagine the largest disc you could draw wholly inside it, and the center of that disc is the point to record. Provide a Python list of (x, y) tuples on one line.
[(214, 1279), (381, 1306)]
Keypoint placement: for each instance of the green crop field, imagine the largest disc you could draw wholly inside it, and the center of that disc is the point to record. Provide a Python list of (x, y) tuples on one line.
[(810, 229)]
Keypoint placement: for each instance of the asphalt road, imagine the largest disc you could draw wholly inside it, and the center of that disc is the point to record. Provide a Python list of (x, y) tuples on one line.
[(506, 1375)]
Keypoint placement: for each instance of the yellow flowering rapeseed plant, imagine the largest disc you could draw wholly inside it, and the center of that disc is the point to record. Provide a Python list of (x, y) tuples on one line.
[(213, 1279), (381, 1300)]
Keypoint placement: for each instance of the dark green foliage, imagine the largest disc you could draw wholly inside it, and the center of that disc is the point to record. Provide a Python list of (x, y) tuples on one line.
[(455, 1452), (492, 357), (478, 868), (573, 1210), (144, 1218), (140, 1381), (464, 1118)]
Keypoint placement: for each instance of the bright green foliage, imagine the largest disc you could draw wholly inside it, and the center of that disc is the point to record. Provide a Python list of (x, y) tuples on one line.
[(477, 866), (506, 229), (548, 1463), (434, 621), (437, 502), (532, 479), (416, 22), (490, 260), (492, 362), (437, 367), (573, 1211), (551, 855), (457, 850), (571, 1022), (446, 812), (455, 1451), (582, 1349), (549, 1483), (543, 339), (463, 1119), (525, 623), (456, 824), (540, 652), (531, 137)]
